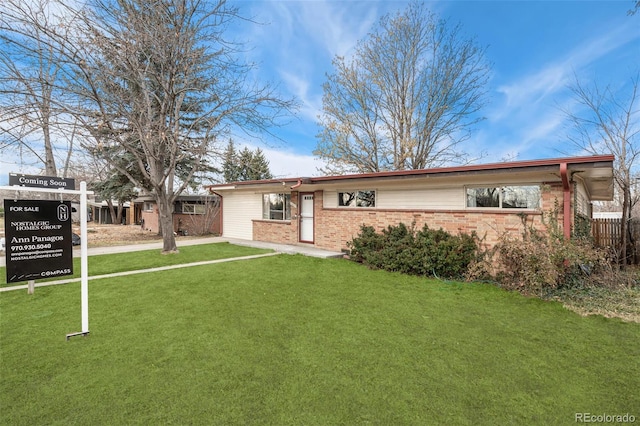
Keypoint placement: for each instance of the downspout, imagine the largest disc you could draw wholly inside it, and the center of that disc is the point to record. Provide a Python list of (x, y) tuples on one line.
[(566, 201), (221, 199), (297, 185)]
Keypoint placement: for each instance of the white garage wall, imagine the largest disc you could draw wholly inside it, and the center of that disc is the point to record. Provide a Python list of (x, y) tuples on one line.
[(238, 210)]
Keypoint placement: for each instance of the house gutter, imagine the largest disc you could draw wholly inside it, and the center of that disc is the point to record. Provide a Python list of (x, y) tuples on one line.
[(297, 185), (566, 201)]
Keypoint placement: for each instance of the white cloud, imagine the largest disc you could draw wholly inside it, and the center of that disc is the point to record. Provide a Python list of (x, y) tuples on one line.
[(533, 89), (528, 115), (290, 164), (309, 97), (301, 38), (337, 26), (285, 163)]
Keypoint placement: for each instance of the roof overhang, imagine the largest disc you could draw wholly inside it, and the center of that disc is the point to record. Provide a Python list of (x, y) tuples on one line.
[(595, 171), (597, 178)]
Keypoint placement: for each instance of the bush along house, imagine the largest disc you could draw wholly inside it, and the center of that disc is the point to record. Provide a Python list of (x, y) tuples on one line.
[(490, 199)]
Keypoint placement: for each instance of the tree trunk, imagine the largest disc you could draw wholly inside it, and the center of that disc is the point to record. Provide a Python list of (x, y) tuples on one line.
[(166, 224), (112, 211), (119, 214)]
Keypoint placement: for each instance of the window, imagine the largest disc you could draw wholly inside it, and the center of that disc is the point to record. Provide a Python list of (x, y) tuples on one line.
[(148, 206), (276, 206), (506, 197), (189, 208), (357, 199)]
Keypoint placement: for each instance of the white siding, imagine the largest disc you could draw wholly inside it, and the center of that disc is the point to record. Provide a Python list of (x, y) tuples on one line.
[(428, 199), (238, 210), (424, 198), (329, 199), (582, 200)]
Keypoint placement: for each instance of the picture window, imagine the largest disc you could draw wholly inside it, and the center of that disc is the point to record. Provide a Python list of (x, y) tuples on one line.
[(360, 198), (505, 197)]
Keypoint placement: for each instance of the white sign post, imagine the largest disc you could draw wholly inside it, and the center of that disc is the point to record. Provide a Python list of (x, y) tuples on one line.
[(84, 263), (84, 269)]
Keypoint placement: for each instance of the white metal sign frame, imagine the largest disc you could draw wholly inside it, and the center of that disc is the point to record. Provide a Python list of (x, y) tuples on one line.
[(84, 264)]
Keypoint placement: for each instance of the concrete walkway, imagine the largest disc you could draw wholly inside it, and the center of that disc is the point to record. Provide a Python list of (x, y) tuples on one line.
[(307, 250), (304, 249), (137, 271)]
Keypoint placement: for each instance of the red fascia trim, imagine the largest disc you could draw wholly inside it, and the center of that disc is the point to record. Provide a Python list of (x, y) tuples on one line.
[(471, 168), (434, 171), (282, 182)]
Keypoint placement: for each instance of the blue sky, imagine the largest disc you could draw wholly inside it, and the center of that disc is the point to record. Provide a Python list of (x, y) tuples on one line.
[(535, 47)]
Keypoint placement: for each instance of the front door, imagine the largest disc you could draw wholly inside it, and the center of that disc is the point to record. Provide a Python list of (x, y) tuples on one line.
[(306, 218)]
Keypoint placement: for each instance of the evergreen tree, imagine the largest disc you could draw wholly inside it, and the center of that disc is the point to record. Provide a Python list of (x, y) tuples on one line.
[(260, 166), (230, 169), (245, 158), (245, 165)]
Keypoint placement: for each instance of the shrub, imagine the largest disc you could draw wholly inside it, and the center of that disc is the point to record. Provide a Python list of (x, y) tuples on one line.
[(425, 252), (540, 263)]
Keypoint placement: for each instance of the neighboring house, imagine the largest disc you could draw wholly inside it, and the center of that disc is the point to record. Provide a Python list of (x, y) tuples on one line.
[(100, 212), (490, 199), (192, 214)]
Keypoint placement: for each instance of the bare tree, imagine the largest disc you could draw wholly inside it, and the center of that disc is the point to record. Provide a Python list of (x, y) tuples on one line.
[(30, 71), (406, 100), (609, 123), (158, 81)]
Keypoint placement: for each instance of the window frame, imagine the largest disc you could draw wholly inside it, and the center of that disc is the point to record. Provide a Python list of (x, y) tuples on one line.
[(501, 190), (196, 207), (286, 206), (357, 200)]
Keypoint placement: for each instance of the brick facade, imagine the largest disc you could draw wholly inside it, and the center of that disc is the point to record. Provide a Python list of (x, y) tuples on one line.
[(196, 224), (151, 219), (334, 227), (185, 224), (279, 231)]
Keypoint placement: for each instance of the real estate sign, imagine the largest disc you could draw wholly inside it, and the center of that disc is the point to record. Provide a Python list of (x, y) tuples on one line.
[(38, 239), (35, 181)]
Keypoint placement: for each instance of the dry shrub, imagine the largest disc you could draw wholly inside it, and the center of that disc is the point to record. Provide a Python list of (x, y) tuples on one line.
[(540, 263)]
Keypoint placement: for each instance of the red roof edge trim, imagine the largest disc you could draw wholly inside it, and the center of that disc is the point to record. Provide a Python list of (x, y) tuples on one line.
[(475, 167), (434, 171)]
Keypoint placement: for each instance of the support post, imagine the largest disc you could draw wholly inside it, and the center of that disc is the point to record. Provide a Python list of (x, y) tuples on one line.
[(84, 254), (84, 264), (566, 201)]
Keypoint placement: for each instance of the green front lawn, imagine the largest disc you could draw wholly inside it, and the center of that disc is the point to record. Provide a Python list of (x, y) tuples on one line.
[(136, 260), (296, 340)]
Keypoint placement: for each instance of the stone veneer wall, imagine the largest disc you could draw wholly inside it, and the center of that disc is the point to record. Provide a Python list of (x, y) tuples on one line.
[(334, 227)]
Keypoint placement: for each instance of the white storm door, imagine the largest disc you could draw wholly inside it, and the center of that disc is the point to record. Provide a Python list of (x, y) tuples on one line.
[(306, 218)]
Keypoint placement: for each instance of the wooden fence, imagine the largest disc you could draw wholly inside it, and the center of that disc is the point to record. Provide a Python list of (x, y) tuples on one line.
[(608, 233)]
